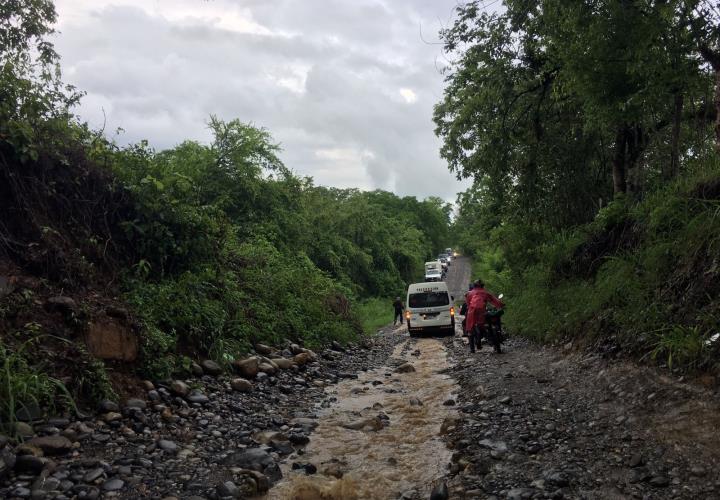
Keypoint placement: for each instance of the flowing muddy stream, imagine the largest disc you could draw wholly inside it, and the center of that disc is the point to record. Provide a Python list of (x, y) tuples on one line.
[(382, 434)]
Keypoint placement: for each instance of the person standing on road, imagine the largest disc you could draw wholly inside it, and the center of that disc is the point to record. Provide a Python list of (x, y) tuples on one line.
[(477, 300), (399, 308)]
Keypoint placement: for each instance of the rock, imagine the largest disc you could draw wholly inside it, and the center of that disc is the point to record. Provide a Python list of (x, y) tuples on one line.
[(61, 304), (405, 368), (336, 346), (333, 469), (30, 464), (298, 439), (197, 397), (263, 349), (52, 445), (283, 363), (108, 338), (113, 484), (210, 367), (7, 463), (241, 385), (415, 402), (20, 492), (504, 400), (251, 458), (698, 471), (247, 368), (179, 388), (440, 492), (24, 430), (93, 474), (111, 416), (659, 481), (365, 424), (296, 349), (228, 489), (449, 402), (302, 358), (196, 369), (557, 478), (167, 445), (267, 368), (106, 406), (636, 460), (136, 404)]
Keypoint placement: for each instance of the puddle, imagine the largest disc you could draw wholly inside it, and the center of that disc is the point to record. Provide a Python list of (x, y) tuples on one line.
[(394, 442)]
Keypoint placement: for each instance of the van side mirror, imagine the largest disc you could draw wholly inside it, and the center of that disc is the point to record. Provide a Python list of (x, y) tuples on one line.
[(452, 297)]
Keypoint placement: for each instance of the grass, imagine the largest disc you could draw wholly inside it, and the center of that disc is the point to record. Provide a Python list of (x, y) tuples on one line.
[(23, 386), (374, 314)]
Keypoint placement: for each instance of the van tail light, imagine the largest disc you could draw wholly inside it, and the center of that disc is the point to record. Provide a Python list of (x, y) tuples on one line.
[(407, 314), (452, 311)]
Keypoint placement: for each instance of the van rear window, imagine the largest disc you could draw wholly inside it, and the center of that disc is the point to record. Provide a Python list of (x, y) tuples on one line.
[(428, 299)]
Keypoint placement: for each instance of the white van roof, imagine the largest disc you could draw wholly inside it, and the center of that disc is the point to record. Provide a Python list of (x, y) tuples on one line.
[(438, 286)]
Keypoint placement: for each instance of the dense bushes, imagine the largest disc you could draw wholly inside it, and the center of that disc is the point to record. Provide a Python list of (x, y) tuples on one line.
[(214, 246), (642, 278)]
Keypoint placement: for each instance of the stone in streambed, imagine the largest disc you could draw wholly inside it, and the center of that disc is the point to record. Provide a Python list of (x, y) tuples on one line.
[(440, 492), (405, 368), (365, 424), (210, 367), (241, 385), (52, 445), (179, 388), (264, 349), (302, 358), (247, 368)]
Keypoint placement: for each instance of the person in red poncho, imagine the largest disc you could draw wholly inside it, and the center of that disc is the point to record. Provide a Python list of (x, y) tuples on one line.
[(477, 299)]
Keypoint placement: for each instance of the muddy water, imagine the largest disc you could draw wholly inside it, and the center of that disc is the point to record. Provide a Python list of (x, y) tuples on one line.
[(394, 441)]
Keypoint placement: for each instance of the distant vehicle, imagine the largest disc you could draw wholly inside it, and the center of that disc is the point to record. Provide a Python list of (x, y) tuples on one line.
[(444, 263), (434, 275), (449, 251), (429, 307)]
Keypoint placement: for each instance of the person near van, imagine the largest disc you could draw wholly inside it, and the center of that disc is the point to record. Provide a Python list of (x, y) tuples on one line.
[(464, 311), (477, 300), (399, 308)]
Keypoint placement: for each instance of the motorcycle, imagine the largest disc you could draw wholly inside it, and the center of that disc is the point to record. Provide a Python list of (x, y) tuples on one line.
[(493, 331)]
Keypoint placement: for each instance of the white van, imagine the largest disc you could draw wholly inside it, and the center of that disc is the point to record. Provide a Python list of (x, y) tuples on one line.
[(429, 307)]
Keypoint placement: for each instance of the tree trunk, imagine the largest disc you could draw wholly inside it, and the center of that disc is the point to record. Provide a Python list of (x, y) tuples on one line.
[(717, 108), (618, 166), (674, 169), (713, 57)]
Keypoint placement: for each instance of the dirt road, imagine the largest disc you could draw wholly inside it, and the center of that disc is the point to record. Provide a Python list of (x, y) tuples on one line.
[(533, 422)]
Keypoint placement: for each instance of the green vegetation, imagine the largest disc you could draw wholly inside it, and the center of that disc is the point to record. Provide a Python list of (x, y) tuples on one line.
[(374, 314), (588, 130), (214, 247)]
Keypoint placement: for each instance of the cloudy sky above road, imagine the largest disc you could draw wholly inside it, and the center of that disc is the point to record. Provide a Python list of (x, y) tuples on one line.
[(346, 86)]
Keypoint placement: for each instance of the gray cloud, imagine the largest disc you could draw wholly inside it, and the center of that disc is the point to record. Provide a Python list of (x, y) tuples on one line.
[(347, 87)]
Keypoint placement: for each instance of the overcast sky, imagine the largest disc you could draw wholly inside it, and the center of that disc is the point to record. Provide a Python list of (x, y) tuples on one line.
[(346, 86)]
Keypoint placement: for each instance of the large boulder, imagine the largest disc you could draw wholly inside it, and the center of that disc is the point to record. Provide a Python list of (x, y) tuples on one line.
[(251, 458), (267, 368), (210, 367), (107, 338), (241, 385), (284, 363), (52, 445), (247, 368), (405, 368), (179, 388), (263, 349), (302, 359)]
